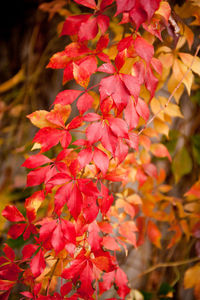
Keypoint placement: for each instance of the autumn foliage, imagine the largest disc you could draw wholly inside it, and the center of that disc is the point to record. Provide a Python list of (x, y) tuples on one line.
[(97, 186)]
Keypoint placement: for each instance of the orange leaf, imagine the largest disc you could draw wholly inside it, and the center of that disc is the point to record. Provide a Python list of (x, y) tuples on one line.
[(154, 234), (160, 150)]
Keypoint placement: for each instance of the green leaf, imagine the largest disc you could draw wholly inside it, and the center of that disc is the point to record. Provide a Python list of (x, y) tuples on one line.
[(196, 147), (181, 164), (146, 295), (165, 288)]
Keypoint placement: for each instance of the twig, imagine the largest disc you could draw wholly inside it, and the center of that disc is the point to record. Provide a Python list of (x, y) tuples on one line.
[(169, 264), (172, 94)]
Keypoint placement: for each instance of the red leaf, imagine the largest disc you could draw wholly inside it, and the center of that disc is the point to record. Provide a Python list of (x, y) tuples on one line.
[(138, 15), (142, 109), (118, 127), (74, 202), (106, 201), (48, 137), (46, 230), (6, 285), (102, 43), (84, 103), (37, 176), (132, 84), (127, 230), (75, 269), (9, 252), (90, 209), (131, 116), (16, 230), (143, 49), (110, 243), (85, 157), (73, 23), (38, 264), (81, 75), (101, 160), (88, 3), (35, 161), (94, 132), (109, 140), (27, 294), (91, 117), (65, 139), (106, 284), (58, 61), (114, 87), (29, 250), (66, 288), (124, 5), (88, 187), (103, 22), (88, 30), (151, 81), (11, 213), (68, 230), (157, 65), (94, 238), (107, 68), (86, 278), (150, 6), (121, 282), (67, 97), (57, 239), (61, 197), (121, 151), (105, 3), (76, 122), (104, 261), (120, 59)]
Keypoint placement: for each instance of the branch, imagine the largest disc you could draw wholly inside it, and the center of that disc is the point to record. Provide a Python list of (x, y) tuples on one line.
[(170, 264), (172, 94)]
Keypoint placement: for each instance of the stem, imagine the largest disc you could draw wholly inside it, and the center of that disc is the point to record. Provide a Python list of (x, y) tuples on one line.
[(169, 264), (172, 94)]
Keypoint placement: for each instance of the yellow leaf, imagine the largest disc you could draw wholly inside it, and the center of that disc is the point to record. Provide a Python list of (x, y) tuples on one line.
[(164, 10), (117, 29), (171, 109), (192, 276), (187, 60), (172, 84), (36, 146), (38, 118), (156, 107), (180, 70), (127, 67), (189, 35), (166, 59), (161, 126)]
